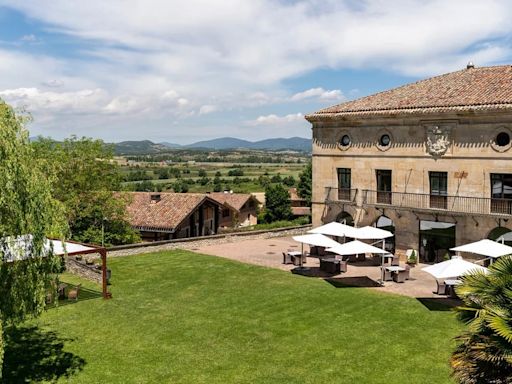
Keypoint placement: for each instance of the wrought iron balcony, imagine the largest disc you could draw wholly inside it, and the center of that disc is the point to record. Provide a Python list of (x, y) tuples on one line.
[(340, 194), (438, 203)]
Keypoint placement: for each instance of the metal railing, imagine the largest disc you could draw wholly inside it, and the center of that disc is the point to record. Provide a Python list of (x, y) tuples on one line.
[(440, 203), (340, 194)]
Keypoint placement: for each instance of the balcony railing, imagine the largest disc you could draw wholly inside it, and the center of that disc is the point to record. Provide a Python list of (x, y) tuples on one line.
[(340, 194), (440, 203)]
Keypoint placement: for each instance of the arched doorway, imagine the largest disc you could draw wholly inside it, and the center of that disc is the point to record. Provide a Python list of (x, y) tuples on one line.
[(384, 222), (501, 235), (345, 218)]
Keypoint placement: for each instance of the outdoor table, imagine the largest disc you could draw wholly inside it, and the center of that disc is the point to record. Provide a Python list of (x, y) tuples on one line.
[(450, 285), (294, 253), (394, 268), (330, 264)]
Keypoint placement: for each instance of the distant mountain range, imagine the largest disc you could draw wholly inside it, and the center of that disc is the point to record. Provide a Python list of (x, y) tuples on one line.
[(148, 147)]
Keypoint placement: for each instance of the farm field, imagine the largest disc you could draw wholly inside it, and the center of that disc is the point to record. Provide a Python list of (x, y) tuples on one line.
[(183, 317), (204, 177)]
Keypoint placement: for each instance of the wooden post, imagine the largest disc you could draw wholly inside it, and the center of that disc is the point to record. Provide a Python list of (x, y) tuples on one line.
[(106, 294)]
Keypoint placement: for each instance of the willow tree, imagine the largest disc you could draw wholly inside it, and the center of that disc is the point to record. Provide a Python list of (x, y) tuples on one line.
[(28, 212)]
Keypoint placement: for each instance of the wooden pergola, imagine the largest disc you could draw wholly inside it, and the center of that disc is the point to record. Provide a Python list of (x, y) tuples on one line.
[(71, 248)]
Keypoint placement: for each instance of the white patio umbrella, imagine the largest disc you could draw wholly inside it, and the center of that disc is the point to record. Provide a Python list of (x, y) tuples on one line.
[(506, 237), (453, 268), (355, 247), (335, 229), (372, 233), (485, 247), (315, 239)]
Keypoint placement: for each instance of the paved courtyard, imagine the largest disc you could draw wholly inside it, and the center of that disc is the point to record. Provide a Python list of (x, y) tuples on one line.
[(268, 253)]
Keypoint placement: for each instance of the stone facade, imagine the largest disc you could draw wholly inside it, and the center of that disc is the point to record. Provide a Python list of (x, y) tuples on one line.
[(460, 144)]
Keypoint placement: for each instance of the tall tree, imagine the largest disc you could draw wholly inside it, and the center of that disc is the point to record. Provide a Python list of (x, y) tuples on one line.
[(28, 210), (485, 351), (277, 203), (84, 179), (304, 186)]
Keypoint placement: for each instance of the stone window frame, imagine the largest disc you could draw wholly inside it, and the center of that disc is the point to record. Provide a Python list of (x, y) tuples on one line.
[(339, 137), (380, 133), (497, 147)]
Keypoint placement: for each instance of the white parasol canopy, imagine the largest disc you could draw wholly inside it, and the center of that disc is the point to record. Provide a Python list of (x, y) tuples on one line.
[(316, 239), (372, 233), (335, 229), (485, 247), (506, 237), (355, 247), (453, 268)]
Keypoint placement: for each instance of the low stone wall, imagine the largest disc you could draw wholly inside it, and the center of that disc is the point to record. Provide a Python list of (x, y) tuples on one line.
[(81, 269), (195, 242)]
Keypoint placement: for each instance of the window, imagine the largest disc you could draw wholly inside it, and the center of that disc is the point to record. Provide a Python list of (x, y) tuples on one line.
[(384, 140), (383, 186), (345, 141), (438, 189), (501, 193), (344, 183), (503, 139)]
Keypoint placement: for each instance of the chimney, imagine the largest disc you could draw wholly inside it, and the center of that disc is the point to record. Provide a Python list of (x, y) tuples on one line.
[(155, 198), (470, 65)]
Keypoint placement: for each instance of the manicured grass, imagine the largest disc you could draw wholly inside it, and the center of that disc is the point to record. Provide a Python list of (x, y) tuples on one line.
[(180, 317)]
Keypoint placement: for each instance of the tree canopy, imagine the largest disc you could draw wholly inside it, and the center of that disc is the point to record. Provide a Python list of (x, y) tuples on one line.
[(27, 209), (84, 178), (277, 203), (305, 183)]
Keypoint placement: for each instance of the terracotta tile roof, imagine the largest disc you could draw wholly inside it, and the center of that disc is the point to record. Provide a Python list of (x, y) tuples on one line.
[(234, 200), (165, 214), (294, 196), (485, 88)]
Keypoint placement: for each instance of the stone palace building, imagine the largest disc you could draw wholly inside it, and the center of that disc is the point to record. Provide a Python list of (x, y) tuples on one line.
[(430, 161)]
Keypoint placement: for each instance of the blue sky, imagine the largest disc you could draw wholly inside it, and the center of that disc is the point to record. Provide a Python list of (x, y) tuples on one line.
[(188, 71)]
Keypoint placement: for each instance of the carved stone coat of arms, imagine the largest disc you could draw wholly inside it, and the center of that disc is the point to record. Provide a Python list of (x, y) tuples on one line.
[(438, 140)]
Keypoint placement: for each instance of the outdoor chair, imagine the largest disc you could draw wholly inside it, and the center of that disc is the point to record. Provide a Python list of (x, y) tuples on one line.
[(296, 260), (399, 276), (73, 293), (343, 265), (441, 288), (313, 250), (387, 274), (287, 259), (321, 251), (395, 261), (407, 272)]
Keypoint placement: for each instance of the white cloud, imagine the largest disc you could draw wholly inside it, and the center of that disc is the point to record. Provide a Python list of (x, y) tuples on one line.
[(35, 100), (206, 109), (319, 93), (29, 38), (277, 120), (172, 58)]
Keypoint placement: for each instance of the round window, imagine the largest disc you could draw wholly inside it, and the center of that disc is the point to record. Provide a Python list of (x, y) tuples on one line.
[(345, 140), (385, 140), (502, 139)]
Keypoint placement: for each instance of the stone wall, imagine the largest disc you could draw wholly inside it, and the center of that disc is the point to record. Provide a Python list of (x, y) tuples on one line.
[(79, 268), (196, 242)]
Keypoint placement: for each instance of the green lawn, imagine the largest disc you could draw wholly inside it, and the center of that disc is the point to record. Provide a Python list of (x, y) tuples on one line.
[(180, 317)]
